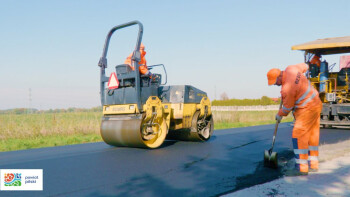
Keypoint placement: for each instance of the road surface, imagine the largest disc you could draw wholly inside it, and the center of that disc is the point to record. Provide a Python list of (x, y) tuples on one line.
[(229, 161)]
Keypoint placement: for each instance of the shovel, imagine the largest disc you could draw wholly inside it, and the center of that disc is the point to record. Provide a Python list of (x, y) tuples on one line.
[(270, 157)]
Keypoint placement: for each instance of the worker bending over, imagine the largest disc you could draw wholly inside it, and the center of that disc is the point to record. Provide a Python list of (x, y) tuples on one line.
[(143, 63), (298, 95)]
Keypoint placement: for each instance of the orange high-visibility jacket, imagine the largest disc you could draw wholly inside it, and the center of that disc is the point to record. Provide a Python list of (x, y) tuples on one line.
[(143, 63), (297, 92)]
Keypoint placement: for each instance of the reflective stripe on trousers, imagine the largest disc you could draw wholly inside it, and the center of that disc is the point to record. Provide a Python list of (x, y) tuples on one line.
[(313, 157), (301, 157), (313, 148), (301, 161), (306, 134), (305, 158), (301, 151)]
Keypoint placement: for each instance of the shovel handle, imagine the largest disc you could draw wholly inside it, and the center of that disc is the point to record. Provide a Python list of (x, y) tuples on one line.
[(275, 132)]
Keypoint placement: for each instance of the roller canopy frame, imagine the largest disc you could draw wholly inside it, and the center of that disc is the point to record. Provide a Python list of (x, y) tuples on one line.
[(326, 46), (136, 57)]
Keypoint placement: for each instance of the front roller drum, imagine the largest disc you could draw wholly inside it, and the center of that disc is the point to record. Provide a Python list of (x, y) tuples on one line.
[(129, 131)]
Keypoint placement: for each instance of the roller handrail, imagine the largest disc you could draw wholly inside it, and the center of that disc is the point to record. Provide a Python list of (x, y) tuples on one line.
[(166, 75), (136, 57)]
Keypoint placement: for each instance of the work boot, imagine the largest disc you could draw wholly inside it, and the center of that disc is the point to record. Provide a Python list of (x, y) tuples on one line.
[(294, 172), (313, 170)]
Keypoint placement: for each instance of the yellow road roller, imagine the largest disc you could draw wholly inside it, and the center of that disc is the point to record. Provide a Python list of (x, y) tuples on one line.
[(142, 111)]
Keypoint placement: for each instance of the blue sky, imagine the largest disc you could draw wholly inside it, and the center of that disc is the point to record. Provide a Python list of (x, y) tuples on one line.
[(53, 47)]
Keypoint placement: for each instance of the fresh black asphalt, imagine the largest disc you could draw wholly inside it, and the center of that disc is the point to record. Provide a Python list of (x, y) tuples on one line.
[(231, 160)]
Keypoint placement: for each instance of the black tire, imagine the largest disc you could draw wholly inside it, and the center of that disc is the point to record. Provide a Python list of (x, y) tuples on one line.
[(204, 134)]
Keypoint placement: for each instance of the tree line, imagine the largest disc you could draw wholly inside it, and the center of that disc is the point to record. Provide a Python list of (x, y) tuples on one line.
[(264, 100)]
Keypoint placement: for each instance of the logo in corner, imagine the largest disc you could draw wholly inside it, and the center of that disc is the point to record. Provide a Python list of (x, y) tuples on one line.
[(12, 179)]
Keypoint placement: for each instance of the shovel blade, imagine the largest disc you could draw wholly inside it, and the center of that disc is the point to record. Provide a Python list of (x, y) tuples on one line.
[(270, 160)]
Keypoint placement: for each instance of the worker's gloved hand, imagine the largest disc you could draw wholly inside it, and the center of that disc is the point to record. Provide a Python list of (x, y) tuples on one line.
[(278, 118), (150, 75)]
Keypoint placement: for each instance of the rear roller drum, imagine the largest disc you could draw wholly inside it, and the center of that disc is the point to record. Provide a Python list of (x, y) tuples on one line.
[(201, 129), (204, 127)]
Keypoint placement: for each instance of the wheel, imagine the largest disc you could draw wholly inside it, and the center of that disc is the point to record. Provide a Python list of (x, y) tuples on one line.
[(204, 127), (153, 135)]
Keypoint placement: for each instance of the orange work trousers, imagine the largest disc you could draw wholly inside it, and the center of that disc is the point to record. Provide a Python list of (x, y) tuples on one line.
[(305, 137)]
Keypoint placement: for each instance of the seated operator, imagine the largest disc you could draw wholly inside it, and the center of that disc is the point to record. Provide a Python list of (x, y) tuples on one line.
[(316, 60), (143, 63)]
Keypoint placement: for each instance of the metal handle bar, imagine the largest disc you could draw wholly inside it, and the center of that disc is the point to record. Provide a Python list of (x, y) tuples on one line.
[(166, 75), (135, 59)]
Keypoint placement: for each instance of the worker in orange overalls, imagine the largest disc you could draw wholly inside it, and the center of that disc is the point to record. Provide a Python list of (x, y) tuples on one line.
[(143, 63), (297, 93)]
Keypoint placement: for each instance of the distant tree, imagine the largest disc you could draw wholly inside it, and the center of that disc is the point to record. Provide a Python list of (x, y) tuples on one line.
[(96, 109), (224, 96), (71, 109), (20, 111), (265, 100)]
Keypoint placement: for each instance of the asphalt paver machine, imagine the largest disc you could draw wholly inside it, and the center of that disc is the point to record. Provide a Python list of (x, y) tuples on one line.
[(140, 111), (333, 87)]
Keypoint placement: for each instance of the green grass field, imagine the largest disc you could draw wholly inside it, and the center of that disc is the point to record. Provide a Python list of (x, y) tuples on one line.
[(26, 131), (224, 120)]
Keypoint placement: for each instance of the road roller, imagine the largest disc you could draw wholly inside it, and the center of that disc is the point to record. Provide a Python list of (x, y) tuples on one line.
[(142, 111)]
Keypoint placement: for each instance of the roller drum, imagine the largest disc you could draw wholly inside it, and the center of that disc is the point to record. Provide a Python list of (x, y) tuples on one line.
[(125, 130), (194, 133), (122, 130)]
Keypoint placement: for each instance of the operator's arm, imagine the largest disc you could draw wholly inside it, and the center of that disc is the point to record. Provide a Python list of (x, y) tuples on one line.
[(143, 66), (144, 70), (288, 99)]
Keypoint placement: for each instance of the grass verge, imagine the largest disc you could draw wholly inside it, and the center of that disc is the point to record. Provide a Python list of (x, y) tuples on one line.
[(227, 125), (47, 141), (224, 120)]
